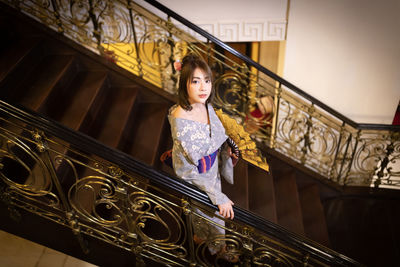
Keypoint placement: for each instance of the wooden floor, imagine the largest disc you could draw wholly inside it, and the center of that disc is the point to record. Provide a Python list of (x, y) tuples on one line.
[(18, 252)]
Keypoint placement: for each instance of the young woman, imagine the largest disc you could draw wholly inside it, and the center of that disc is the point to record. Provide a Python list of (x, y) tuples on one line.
[(200, 154)]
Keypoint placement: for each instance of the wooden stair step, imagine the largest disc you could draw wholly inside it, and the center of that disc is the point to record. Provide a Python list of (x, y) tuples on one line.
[(19, 59), (288, 208), (80, 103), (262, 194), (147, 136), (165, 145), (315, 226), (7, 32), (4, 21), (115, 116), (77, 107), (51, 73), (239, 191)]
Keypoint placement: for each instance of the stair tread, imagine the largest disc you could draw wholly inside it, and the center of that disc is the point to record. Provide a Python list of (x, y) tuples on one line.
[(37, 86), (86, 87), (166, 144), (15, 54), (288, 207), (315, 226), (149, 128), (239, 191), (262, 197), (113, 121)]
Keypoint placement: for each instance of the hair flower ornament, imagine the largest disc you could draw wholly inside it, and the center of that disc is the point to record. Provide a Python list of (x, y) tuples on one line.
[(178, 65)]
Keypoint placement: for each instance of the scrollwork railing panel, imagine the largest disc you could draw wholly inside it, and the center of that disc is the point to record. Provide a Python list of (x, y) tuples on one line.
[(308, 135), (97, 198), (24, 169), (376, 159), (243, 245)]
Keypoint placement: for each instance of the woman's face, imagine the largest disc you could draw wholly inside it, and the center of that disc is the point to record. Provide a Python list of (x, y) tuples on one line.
[(199, 88)]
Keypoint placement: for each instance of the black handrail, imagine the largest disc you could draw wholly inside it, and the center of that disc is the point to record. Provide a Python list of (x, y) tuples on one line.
[(261, 68), (371, 126), (129, 164)]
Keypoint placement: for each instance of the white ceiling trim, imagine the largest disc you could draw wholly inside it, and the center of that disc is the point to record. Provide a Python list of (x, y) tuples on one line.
[(243, 30)]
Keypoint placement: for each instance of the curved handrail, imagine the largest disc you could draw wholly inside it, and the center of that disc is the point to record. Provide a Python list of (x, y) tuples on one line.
[(261, 68), (371, 126), (126, 162)]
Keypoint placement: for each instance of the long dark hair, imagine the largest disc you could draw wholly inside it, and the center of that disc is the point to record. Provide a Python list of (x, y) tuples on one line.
[(189, 63)]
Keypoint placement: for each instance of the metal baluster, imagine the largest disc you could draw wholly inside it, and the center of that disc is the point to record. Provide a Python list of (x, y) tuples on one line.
[(277, 100), (345, 178), (306, 137), (72, 218), (140, 67), (60, 28), (96, 25), (334, 167), (187, 211), (344, 158), (385, 161)]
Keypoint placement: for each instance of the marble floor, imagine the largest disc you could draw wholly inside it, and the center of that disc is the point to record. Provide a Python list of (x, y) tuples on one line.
[(19, 252)]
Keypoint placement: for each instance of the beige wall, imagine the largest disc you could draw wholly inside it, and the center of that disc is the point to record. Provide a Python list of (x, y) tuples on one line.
[(271, 55), (347, 55)]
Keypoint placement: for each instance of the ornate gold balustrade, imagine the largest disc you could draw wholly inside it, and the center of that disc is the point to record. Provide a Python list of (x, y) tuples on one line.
[(63, 176), (298, 125)]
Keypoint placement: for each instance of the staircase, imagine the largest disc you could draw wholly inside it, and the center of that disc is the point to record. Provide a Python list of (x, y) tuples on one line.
[(49, 74)]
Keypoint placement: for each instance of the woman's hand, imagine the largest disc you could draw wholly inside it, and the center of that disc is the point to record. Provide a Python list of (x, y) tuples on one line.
[(226, 209), (233, 156)]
